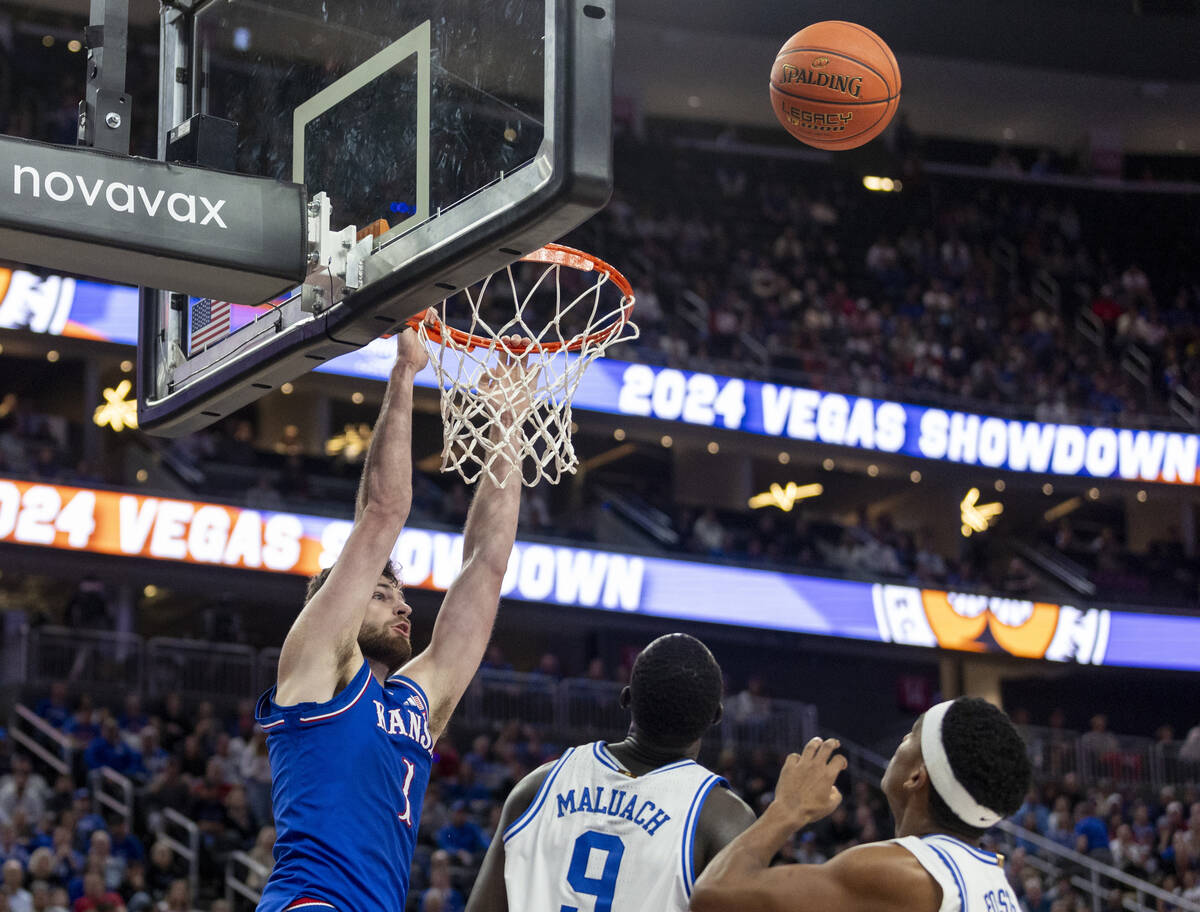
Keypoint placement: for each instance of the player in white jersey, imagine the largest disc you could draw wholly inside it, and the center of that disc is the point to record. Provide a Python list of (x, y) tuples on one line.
[(961, 769), (626, 826)]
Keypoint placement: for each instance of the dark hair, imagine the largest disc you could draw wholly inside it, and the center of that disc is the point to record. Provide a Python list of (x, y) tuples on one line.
[(316, 582), (987, 756), (676, 690)]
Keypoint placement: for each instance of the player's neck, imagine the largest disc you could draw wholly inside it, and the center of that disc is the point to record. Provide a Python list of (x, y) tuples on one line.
[(920, 824), (380, 671), (640, 757)]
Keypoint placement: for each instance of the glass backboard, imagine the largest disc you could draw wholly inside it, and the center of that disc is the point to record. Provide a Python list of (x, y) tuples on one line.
[(476, 131)]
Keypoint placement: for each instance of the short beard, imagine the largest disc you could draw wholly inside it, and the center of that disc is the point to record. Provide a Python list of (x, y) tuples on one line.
[(377, 646)]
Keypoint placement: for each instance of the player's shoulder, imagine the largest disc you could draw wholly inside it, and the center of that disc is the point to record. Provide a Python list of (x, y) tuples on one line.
[(882, 870), (527, 789), (531, 782), (529, 794), (722, 800)]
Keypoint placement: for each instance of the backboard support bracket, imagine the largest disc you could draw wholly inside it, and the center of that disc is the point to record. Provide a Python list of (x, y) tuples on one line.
[(106, 112), (335, 259)]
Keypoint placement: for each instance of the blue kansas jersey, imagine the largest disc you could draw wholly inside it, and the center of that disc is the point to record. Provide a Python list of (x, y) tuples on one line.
[(348, 779)]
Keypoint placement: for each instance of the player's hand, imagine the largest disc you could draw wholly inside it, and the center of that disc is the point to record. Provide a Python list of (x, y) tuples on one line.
[(508, 384), (805, 791), (410, 353)]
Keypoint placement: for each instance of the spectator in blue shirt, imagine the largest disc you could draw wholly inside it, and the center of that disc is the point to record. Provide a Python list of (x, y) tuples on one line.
[(54, 708), (124, 843), (10, 847), (1088, 825), (110, 750), (1041, 813), (80, 726), (86, 822), (463, 837)]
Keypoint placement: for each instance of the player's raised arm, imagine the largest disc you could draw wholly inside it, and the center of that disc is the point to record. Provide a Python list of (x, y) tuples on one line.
[(872, 878), (464, 623), (321, 651)]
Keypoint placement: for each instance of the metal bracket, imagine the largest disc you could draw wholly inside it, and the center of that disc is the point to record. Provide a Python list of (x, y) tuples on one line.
[(105, 114), (335, 259)]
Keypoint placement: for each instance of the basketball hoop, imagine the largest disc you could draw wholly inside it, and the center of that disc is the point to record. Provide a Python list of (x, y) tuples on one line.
[(569, 319)]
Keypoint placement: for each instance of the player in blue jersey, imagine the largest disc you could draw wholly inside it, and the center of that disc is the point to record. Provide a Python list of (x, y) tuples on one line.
[(353, 717)]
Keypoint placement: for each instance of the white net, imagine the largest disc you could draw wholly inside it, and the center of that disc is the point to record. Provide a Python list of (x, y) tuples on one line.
[(509, 377)]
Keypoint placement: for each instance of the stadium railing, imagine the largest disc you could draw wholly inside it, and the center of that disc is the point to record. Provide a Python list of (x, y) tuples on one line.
[(41, 739), (104, 663), (112, 792), (110, 665), (239, 885), (498, 696), (591, 708), (201, 670), (574, 708), (581, 709), (1095, 878), (1134, 761), (183, 836)]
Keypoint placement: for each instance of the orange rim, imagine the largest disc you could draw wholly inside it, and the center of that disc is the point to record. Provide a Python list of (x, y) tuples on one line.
[(551, 254)]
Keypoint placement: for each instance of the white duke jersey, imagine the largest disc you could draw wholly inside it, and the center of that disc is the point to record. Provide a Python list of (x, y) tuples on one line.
[(598, 839), (971, 879)]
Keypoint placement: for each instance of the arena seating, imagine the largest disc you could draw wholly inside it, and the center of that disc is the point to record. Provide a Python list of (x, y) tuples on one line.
[(193, 825)]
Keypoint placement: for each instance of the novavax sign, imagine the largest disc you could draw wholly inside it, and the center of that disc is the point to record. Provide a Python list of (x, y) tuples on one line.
[(108, 312)]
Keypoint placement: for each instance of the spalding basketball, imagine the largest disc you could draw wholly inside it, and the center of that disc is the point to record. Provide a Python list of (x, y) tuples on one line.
[(835, 85)]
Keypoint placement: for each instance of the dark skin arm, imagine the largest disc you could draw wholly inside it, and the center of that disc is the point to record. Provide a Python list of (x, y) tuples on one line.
[(723, 816), (881, 877)]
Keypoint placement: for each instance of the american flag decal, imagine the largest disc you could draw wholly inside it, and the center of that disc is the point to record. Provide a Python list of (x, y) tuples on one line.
[(208, 321)]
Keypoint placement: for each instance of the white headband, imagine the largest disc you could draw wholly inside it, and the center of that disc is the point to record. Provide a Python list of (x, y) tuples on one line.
[(937, 764)]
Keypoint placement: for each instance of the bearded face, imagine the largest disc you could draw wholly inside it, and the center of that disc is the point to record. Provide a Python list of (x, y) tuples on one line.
[(385, 644), (384, 634)]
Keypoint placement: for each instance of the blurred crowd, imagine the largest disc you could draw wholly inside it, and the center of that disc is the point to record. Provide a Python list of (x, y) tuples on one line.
[(62, 850), (1155, 838), (953, 291)]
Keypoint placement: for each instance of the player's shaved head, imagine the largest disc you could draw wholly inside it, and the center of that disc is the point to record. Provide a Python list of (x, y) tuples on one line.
[(675, 690)]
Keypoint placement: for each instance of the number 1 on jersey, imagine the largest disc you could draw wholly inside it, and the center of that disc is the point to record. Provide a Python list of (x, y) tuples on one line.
[(605, 885), (409, 769)]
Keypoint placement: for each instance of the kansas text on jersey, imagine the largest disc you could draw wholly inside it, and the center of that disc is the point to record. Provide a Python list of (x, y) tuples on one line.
[(348, 777), (598, 838)]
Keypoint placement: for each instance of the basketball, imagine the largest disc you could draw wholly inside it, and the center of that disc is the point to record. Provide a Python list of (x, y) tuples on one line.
[(835, 85)]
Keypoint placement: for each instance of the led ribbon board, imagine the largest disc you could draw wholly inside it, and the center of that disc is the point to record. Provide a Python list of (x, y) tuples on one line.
[(134, 525), (92, 310)]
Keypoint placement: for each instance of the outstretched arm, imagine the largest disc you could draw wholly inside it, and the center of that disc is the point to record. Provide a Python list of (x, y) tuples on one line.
[(881, 877), (464, 623), (321, 650), (490, 893)]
